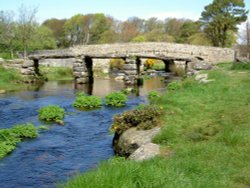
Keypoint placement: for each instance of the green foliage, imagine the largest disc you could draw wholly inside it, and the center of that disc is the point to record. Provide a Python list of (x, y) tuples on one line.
[(145, 117), (42, 39), (10, 137), (220, 20), (199, 39), (153, 96), (139, 38), (85, 102), (116, 99), (51, 113), (158, 65)]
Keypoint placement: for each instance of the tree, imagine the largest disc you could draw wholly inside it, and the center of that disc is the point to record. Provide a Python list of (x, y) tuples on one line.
[(74, 30), (56, 26), (188, 29), (42, 39), (220, 19), (100, 28), (172, 27), (8, 32), (26, 26)]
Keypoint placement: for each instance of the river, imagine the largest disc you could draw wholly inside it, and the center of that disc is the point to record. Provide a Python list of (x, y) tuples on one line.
[(62, 151)]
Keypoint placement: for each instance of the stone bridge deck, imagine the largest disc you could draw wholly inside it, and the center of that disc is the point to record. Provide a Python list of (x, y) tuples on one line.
[(164, 51)]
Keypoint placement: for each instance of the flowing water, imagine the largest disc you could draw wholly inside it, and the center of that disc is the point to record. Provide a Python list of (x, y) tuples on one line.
[(62, 151)]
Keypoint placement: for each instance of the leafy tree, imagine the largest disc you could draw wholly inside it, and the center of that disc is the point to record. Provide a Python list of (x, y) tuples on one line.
[(56, 26), (199, 39), (26, 26), (8, 32), (172, 27), (188, 29), (130, 29), (220, 19), (99, 28), (74, 29), (153, 24), (42, 39)]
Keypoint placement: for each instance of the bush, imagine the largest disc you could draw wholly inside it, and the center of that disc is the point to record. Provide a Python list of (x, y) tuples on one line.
[(149, 63), (145, 117), (117, 99), (52, 113), (10, 137), (116, 64), (84, 101)]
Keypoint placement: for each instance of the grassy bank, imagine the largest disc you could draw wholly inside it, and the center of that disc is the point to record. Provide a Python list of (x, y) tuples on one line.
[(10, 79), (205, 140), (56, 73)]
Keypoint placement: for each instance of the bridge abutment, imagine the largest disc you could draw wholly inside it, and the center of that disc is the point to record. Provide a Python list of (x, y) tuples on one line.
[(131, 69), (82, 70)]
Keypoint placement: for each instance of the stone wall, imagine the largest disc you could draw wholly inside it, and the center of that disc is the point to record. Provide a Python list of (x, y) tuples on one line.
[(57, 62)]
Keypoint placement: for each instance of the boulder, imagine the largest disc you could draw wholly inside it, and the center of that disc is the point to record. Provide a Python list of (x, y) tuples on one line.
[(28, 63), (119, 78), (82, 80), (130, 67), (27, 72), (201, 65), (199, 77), (146, 151), (2, 91), (132, 139)]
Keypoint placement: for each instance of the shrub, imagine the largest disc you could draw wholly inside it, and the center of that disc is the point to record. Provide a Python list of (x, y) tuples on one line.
[(52, 113), (149, 63), (145, 117), (117, 99), (10, 137), (153, 96), (116, 64), (84, 101)]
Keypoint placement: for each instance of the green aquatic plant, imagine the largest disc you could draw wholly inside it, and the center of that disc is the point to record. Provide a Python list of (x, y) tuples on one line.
[(51, 113), (86, 102), (116, 99), (10, 137)]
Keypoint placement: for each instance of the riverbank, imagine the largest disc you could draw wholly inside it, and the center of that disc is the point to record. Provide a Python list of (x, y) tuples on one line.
[(10, 79), (204, 141)]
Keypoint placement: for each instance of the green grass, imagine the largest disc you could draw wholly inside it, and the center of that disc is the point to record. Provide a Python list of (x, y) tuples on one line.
[(207, 131), (240, 66), (57, 73), (10, 79)]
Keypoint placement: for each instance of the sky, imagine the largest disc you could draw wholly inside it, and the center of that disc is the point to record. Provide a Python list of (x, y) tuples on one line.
[(119, 9)]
